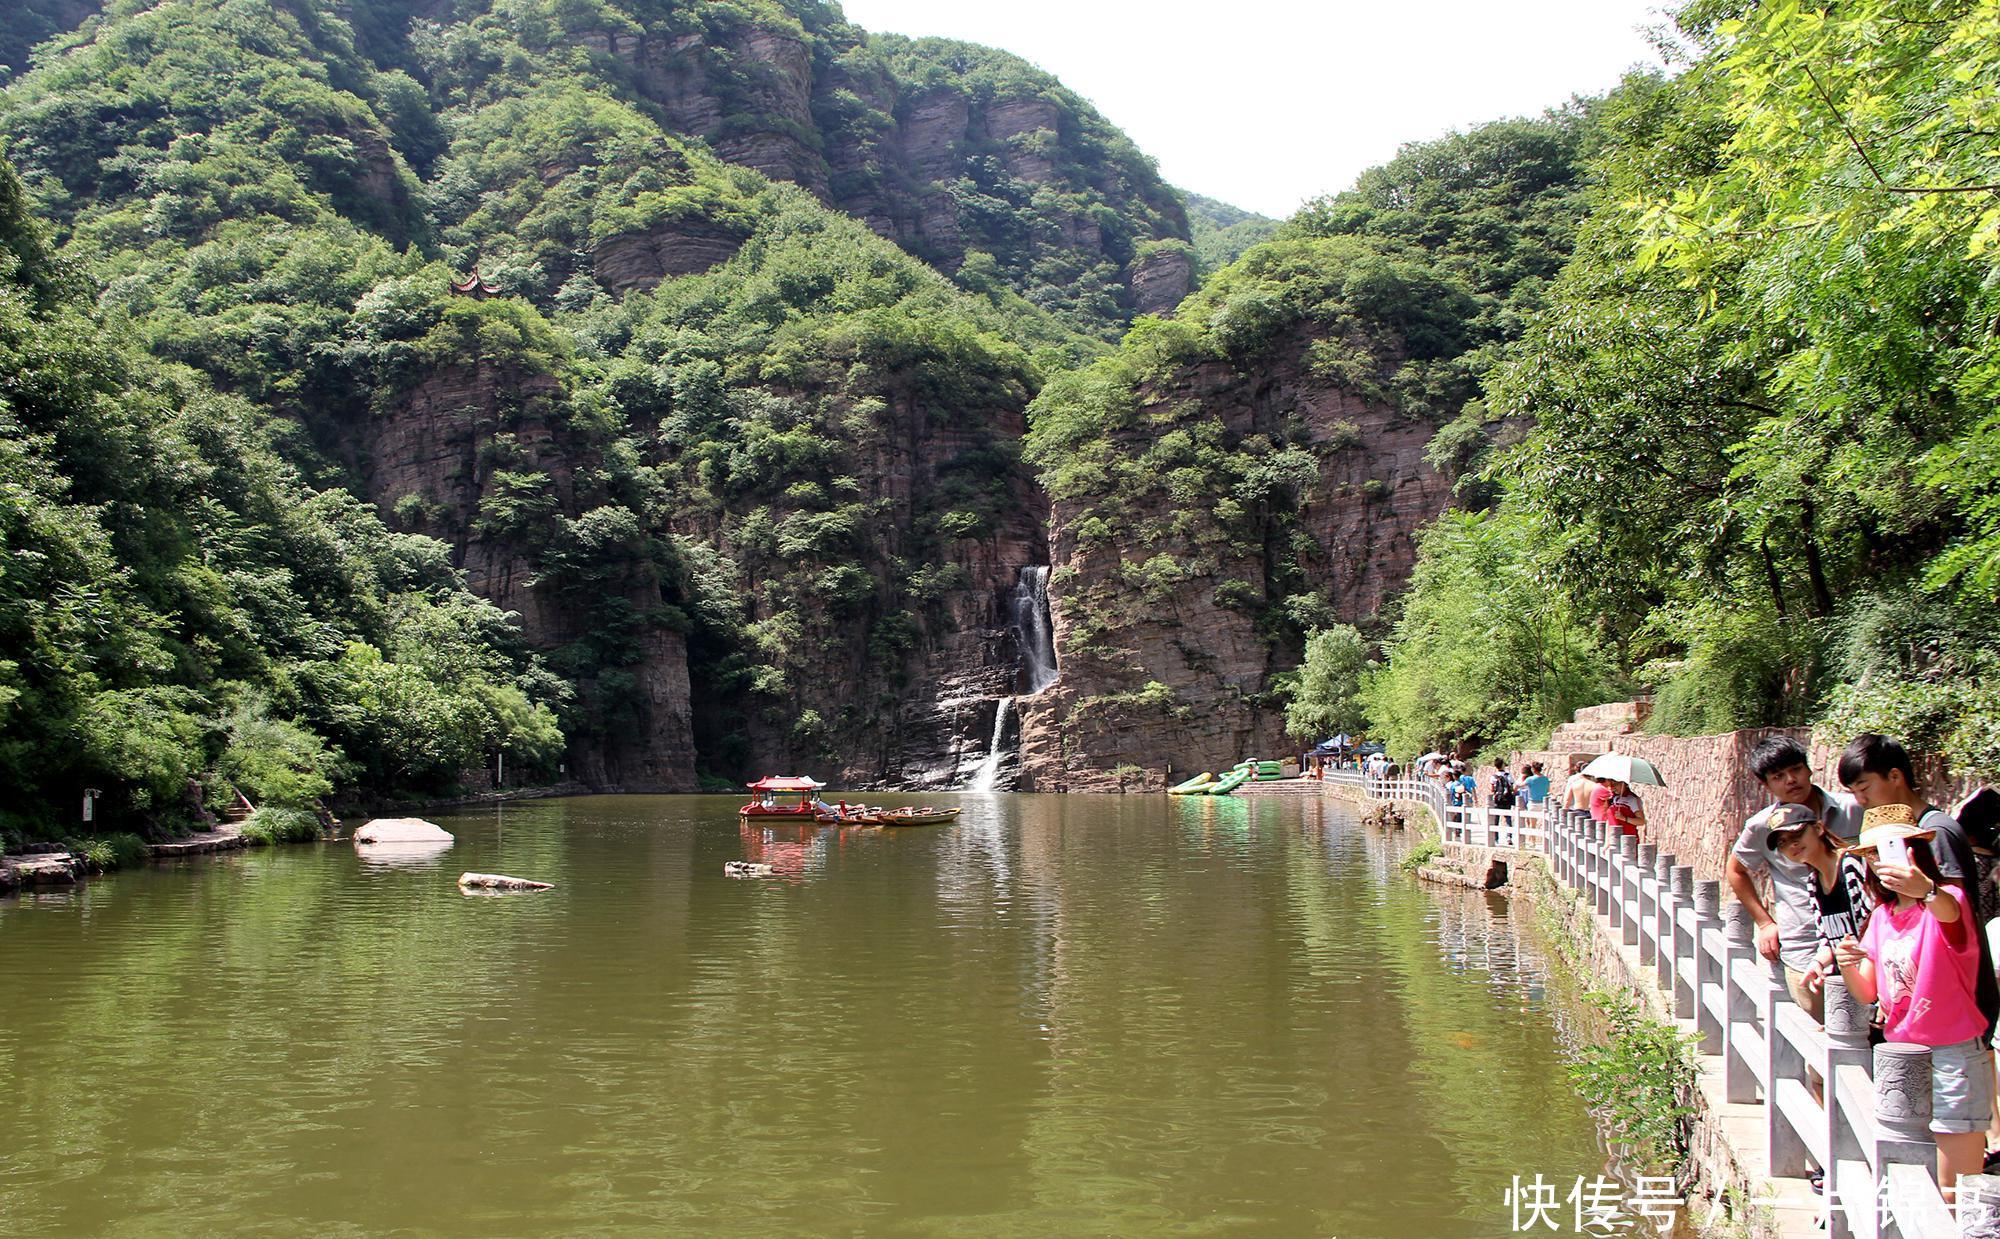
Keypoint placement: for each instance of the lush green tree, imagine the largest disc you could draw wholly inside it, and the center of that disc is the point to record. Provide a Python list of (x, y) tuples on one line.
[(1326, 699), (172, 591), (1484, 653), (1762, 389)]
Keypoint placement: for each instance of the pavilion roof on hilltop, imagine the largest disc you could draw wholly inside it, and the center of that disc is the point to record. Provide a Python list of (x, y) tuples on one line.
[(780, 783)]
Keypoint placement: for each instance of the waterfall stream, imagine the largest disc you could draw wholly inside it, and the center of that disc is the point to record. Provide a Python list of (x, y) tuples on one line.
[(1030, 622), (989, 770)]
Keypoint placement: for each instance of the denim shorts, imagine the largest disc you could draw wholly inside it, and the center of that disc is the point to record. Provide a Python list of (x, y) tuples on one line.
[(1961, 1088)]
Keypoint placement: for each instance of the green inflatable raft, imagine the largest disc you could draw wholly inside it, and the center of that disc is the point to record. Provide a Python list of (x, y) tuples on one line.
[(1229, 782)]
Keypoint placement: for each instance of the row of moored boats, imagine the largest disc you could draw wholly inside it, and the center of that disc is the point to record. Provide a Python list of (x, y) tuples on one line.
[(795, 801)]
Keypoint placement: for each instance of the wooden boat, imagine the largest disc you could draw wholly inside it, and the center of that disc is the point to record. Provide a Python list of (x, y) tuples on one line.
[(785, 801), (925, 816)]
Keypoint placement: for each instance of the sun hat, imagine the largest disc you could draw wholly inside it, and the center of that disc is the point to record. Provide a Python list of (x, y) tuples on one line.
[(1787, 819), (1885, 822)]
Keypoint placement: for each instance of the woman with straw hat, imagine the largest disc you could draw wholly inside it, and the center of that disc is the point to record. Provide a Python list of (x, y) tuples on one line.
[(1920, 958)]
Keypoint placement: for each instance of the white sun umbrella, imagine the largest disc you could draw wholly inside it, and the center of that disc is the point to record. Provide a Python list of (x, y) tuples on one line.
[(1624, 768), (1433, 755)]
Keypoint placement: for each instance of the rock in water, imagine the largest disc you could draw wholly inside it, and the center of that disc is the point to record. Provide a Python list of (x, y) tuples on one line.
[(501, 882), (401, 830)]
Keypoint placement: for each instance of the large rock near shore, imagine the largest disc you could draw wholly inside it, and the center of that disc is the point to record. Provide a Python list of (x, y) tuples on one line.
[(402, 830)]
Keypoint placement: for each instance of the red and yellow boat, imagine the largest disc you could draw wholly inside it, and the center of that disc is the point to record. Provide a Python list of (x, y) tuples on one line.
[(786, 801)]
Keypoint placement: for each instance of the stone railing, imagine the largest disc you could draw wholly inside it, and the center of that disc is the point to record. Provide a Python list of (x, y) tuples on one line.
[(1872, 1129)]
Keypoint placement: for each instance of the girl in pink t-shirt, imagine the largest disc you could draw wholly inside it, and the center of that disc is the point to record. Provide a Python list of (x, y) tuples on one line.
[(1919, 959)]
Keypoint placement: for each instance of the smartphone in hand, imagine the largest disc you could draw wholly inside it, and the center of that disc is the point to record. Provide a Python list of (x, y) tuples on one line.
[(1894, 852)]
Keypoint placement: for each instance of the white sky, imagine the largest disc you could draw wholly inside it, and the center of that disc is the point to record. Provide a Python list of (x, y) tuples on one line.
[(1266, 103)]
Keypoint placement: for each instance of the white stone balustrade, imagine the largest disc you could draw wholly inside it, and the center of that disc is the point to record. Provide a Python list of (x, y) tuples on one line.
[(1868, 1125)]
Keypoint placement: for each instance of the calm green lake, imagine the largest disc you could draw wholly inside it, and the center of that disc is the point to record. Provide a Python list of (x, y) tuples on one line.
[(1064, 1015)]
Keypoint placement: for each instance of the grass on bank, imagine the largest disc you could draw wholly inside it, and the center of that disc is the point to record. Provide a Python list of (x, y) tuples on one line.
[(108, 852), (272, 824)]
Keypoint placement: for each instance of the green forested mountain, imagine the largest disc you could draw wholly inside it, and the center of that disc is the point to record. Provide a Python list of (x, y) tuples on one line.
[(175, 599), (718, 463), (745, 470), (1222, 232)]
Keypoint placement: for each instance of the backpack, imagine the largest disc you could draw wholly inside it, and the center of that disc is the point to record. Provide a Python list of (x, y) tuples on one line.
[(1503, 790)]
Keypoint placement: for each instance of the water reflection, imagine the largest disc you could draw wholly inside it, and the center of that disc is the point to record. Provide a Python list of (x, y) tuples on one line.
[(381, 857), (1059, 1015)]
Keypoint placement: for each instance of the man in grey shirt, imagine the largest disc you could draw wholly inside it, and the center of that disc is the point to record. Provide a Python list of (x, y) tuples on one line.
[(1788, 930)]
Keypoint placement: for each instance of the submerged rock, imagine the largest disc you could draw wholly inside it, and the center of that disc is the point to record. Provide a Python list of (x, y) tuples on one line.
[(401, 830), (501, 882)]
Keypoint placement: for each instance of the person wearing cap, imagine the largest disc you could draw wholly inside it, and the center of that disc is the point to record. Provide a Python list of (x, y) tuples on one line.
[(1920, 958), (1839, 878), (1788, 928), (1838, 883)]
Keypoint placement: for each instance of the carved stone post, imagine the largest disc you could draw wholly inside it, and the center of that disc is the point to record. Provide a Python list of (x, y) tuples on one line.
[(1979, 1206), (1846, 1047), (1739, 1074), (1707, 968), (1649, 905), (1628, 888), (1559, 845), (1579, 835), (1663, 925), (1680, 885), (1902, 1111), (1600, 869), (1570, 848), (1785, 1073)]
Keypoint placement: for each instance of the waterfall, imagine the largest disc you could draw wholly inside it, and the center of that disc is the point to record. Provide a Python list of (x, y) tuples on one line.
[(989, 770), (1030, 622)]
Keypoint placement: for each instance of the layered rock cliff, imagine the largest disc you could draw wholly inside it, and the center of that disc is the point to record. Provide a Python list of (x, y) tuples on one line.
[(1175, 616), (446, 458)]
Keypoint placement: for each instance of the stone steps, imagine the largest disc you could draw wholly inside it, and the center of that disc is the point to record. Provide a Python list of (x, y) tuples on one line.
[(1280, 787), (222, 839)]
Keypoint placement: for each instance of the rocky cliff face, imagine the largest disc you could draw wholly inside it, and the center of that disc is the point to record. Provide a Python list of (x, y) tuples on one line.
[(1160, 280), (895, 684), (638, 261), (429, 464), (1166, 631)]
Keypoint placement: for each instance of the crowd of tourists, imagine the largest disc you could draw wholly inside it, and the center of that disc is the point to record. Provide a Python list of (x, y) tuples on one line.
[(1871, 882), (1893, 893), (1529, 792)]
